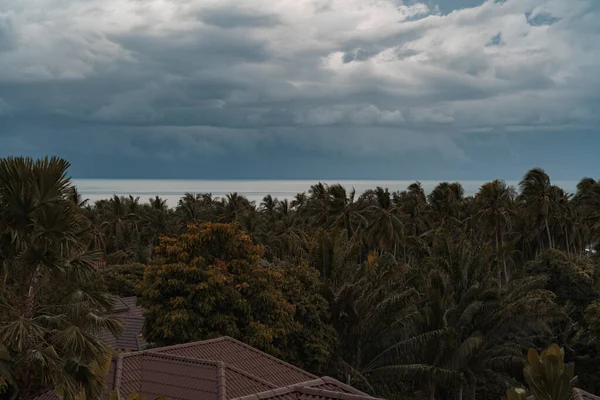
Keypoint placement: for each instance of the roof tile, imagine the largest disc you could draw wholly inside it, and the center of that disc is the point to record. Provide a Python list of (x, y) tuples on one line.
[(240, 355), (126, 309)]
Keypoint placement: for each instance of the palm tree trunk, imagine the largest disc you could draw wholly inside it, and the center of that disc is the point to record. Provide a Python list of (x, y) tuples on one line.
[(26, 392), (568, 245), (504, 259), (5, 278), (28, 303), (497, 260), (550, 245), (431, 392)]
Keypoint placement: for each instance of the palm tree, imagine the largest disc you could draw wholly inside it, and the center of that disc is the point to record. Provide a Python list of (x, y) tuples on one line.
[(158, 203), (368, 313), (495, 202), (253, 223), (412, 204), (268, 205), (469, 331), (77, 198), (188, 209), (283, 208), (385, 220), (299, 201), (133, 206), (538, 200), (317, 206), (336, 256), (51, 310), (563, 220), (234, 206), (446, 201), (344, 211), (155, 220), (587, 200), (288, 240), (115, 214), (96, 229)]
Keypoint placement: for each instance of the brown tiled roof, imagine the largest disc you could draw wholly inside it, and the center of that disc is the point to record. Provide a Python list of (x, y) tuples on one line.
[(218, 369), (246, 358), (48, 395), (188, 371), (579, 394), (132, 309), (130, 339), (133, 322)]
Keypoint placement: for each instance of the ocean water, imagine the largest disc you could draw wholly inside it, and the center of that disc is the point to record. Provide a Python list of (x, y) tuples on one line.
[(254, 190)]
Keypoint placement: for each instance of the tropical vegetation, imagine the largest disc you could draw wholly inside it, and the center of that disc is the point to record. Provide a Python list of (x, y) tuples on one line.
[(402, 294)]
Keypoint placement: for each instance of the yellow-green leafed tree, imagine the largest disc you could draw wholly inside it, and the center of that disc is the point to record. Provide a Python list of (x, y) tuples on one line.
[(210, 281), (547, 376)]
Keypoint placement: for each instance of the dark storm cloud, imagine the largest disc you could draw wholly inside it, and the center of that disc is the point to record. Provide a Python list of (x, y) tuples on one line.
[(228, 17), (221, 88)]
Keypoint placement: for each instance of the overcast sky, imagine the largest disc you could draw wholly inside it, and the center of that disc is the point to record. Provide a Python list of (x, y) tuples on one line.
[(364, 89)]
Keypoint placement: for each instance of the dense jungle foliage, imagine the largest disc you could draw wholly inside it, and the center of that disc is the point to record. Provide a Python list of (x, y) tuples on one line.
[(402, 294)]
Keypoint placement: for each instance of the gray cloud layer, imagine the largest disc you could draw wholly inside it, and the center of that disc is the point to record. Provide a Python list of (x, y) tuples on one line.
[(324, 84)]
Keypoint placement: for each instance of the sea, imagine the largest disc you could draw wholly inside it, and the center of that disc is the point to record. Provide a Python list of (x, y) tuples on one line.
[(255, 190)]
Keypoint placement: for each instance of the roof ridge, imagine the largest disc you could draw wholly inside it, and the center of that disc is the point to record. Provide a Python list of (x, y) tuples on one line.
[(117, 374), (216, 363), (189, 344), (249, 375), (221, 382), (120, 299), (311, 383), (351, 389), (160, 353)]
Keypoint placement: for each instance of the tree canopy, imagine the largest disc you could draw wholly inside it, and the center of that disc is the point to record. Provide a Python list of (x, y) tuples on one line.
[(210, 281), (404, 294)]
